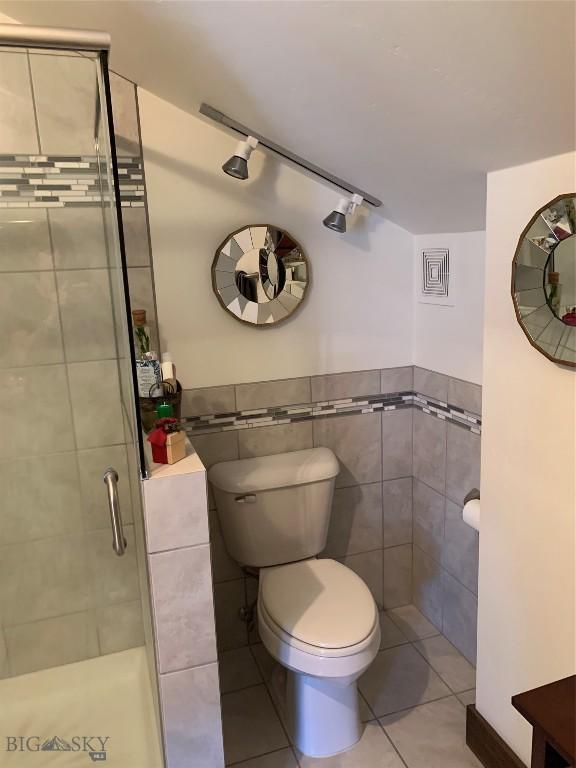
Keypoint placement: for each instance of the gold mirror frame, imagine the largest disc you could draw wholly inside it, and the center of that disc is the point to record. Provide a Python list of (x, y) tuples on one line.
[(536, 311), (260, 275)]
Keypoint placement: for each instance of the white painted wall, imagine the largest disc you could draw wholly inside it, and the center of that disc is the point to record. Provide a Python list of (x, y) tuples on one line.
[(448, 339), (526, 634), (359, 310)]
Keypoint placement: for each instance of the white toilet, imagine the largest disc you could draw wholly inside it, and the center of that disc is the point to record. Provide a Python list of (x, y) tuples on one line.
[(316, 617)]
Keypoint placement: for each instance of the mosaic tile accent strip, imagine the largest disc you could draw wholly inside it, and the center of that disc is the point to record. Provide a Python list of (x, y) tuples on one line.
[(267, 417), (66, 181)]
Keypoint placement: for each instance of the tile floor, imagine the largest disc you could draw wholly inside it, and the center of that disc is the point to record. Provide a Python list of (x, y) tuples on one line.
[(413, 700)]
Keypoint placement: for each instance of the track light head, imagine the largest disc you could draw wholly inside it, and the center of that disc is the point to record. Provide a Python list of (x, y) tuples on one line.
[(237, 165), (336, 220)]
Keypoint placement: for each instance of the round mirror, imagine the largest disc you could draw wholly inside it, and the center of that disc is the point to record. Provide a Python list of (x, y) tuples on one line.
[(260, 274), (544, 280)]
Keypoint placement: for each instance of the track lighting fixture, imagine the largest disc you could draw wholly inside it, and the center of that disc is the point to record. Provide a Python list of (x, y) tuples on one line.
[(237, 165), (337, 219)]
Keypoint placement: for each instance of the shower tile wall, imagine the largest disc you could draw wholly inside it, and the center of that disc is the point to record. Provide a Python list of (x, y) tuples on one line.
[(405, 468), (64, 595)]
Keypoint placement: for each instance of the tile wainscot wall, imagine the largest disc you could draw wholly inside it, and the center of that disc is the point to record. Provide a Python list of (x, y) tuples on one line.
[(408, 442)]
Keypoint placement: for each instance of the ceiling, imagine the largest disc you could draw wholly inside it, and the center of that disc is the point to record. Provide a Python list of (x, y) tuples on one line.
[(412, 101)]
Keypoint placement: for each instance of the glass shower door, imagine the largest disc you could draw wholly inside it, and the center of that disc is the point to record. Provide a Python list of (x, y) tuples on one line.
[(76, 658)]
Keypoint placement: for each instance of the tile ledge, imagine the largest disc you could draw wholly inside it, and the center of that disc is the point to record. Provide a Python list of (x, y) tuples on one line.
[(187, 466)]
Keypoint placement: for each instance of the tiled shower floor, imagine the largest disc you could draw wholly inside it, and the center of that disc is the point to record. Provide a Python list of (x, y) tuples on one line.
[(413, 701)]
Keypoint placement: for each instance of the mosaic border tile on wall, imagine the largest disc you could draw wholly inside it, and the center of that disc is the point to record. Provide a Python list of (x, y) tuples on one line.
[(65, 181), (267, 417)]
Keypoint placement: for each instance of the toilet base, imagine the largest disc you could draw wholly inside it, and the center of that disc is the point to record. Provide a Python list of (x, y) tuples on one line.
[(323, 713)]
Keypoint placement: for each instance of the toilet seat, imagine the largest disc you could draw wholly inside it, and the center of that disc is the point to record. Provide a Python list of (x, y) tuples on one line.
[(320, 604), (309, 658)]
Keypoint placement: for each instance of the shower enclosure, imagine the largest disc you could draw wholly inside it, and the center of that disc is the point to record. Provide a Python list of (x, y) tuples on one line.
[(76, 655)]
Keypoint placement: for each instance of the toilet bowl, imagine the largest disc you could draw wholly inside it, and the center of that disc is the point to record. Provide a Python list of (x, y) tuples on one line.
[(318, 619)]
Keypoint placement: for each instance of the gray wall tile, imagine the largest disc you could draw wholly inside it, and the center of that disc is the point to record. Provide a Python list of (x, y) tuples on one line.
[(266, 394), (115, 578), (123, 93), (183, 607), (40, 578), (427, 587), (462, 462), (33, 410), (216, 447), (397, 379), (24, 244), (465, 395), (431, 383), (397, 511), (265, 441), (430, 450), (92, 464), (197, 402), (224, 568), (136, 241), (356, 441), (356, 520), (86, 312), (29, 319), (40, 498), (460, 548), (396, 444), (176, 511), (65, 99), (51, 642), (120, 627), (460, 616), (95, 395), (397, 576), (428, 519), (192, 718), (229, 598), (78, 238), (337, 386), (369, 566), (19, 131)]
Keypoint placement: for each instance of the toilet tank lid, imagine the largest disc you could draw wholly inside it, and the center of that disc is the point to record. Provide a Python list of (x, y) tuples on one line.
[(279, 471)]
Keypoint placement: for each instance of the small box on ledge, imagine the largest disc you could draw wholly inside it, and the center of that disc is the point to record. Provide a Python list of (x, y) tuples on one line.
[(168, 442)]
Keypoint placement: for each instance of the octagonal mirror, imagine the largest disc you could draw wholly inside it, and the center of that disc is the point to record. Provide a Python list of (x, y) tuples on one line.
[(544, 280)]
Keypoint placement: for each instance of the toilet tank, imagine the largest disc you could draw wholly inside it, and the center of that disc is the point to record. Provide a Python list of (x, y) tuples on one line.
[(275, 509)]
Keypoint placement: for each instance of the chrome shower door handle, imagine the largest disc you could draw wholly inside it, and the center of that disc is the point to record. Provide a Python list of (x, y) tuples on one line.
[(111, 481)]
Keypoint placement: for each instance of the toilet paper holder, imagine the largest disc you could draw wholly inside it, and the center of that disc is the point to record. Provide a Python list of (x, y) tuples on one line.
[(471, 496)]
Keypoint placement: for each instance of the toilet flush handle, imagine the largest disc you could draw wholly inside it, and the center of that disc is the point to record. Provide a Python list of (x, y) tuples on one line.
[(248, 498)]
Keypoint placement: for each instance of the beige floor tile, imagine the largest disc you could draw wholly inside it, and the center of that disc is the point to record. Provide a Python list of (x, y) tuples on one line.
[(237, 670), (374, 750), (432, 736), (453, 668), (468, 697), (251, 725), (412, 623), (391, 635), (284, 758), (400, 678), (366, 713)]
